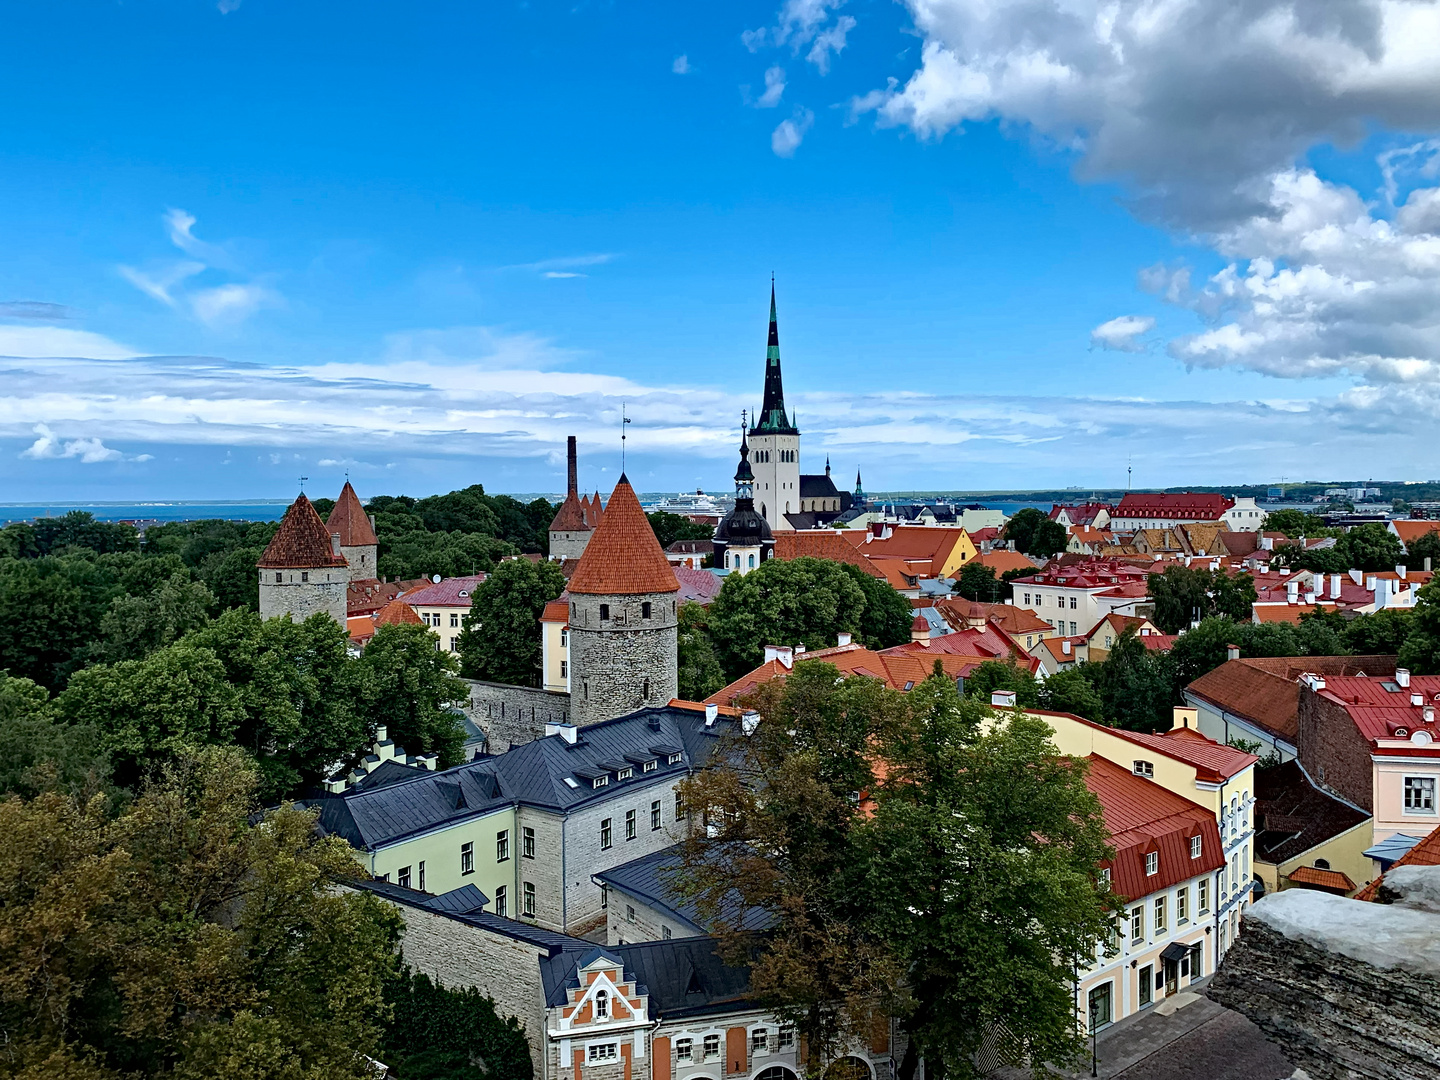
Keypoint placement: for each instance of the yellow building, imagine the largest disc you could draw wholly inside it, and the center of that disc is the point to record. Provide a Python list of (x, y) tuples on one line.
[(1308, 837), (555, 647)]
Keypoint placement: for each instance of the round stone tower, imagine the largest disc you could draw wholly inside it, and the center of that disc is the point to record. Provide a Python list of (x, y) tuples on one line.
[(302, 572), (624, 603), (358, 542)]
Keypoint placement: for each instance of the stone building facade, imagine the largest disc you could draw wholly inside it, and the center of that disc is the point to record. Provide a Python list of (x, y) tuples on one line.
[(577, 518), (302, 571), (356, 529)]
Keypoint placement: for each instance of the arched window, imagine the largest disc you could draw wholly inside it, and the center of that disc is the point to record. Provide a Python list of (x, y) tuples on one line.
[(602, 1005), (848, 1068), (752, 562), (1322, 864), (776, 1072)]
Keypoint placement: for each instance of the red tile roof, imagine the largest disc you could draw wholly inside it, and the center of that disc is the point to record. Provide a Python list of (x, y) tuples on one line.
[(368, 595), (1003, 561), (556, 611), (1265, 690), (900, 668), (1144, 817), (350, 520), (699, 586), (451, 592), (1202, 506), (361, 628), (301, 542), (397, 613), (1379, 712), (1324, 879), (821, 544), (623, 558), (570, 517), (1425, 853), (1213, 761), (1410, 531)]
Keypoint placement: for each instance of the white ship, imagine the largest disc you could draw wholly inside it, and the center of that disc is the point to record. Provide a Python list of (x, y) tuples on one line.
[(687, 503)]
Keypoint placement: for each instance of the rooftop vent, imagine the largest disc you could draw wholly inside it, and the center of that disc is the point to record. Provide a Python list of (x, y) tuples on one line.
[(711, 712), (1402, 677)]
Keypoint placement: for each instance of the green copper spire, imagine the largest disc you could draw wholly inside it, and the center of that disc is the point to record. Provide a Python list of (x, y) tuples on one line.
[(772, 419)]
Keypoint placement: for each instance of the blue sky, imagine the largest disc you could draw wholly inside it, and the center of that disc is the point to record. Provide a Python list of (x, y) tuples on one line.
[(1015, 245)]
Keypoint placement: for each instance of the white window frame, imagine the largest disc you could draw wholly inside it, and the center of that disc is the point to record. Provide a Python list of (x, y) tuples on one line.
[(596, 1053), (1152, 863), (1421, 783), (1197, 844)]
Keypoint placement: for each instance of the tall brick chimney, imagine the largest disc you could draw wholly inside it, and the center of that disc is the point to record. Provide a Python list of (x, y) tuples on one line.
[(573, 486)]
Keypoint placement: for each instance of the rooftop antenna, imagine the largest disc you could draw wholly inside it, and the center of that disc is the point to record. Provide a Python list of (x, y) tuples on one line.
[(623, 421), (1129, 471)]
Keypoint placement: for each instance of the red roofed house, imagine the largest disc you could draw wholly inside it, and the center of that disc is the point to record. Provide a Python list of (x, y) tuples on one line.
[(1425, 853), (1074, 597), (555, 645), (624, 605), (1086, 515), (396, 613), (902, 668), (443, 605), (302, 571), (1160, 510), (358, 542), (1374, 741), (1410, 531), (1167, 853)]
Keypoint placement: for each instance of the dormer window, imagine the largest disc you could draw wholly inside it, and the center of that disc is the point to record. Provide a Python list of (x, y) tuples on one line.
[(600, 781), (1152, 863), (624, 774), (649, 766), (1145, 769), (1401, 732), (674, 759), (1195, 845), (602, 1005)]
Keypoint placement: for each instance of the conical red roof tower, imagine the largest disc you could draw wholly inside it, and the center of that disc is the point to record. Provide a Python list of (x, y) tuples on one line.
[(302, 541), (623, 556), (350, 520)]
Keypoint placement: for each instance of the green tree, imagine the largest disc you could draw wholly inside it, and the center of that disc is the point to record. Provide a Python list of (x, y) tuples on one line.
[(137, 625), (1319, 560), (976, 581), (1370, 547), (1021, 528), (179, 939), (671, 527), (148, 711), (438, 1033), (449, 554), (79, 529), (500, 641), (1297, 523), (230, 576), (297, 687), (1421, 651), (38, 754), (1070, 690), (791, 602), (409, 687), (50, 609), (699, 671), (1181, 593), (992, 675), (1425, 546), (1136, 685), (1380, 634), (983, 853), (1034, 533), (887, 616)]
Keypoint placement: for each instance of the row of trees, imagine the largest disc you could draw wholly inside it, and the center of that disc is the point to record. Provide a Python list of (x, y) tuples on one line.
[(959, 892)]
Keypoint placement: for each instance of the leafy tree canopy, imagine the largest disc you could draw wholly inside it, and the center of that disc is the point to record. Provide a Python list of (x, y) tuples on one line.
[(671, 527), (500, 641), (438, 1033), (1297, 523), (1071, 690), (1182, 592), (1033, 532), (699, 672), (1421, 651), (976, 581), (36, 753), (1425, 546), (995, 675), (887, 616), (409, 687)]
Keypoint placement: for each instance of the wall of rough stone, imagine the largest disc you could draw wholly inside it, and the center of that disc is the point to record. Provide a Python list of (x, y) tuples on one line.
[(362, 560), (324, 593), (1347, 990), (649, 923), (505, 970), (544, 871), (512, 715), (1332, 749), (625, 662), (569, 545)]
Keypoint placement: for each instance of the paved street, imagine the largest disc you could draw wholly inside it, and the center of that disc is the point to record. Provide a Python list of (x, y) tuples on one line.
[(1199, 1040)]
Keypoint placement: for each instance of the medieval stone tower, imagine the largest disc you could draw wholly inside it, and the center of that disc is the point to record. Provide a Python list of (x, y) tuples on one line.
[(624, 601), (576, 520), (358, 542), (775, 441), (302, 571)]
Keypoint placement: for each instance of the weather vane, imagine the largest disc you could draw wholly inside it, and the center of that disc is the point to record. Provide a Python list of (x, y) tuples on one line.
[(623, 421), (302, 484)]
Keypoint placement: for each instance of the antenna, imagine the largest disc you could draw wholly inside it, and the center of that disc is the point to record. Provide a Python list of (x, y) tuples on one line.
[(1129, 471), (623, 421)]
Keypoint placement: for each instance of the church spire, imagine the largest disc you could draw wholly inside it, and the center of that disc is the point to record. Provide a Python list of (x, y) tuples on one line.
[(772, 419)]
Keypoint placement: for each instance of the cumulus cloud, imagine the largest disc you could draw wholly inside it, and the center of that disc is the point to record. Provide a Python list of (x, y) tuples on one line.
[(1193, 103), (49, 445), (1122, 334), (774, 88), (829, 41), (788, 134), (805, 22), (681, 66)]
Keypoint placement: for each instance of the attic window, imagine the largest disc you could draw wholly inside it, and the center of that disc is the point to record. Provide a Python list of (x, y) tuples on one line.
[(910, 685), (1145, 769), (1401, 732), (570, 782), (1152, 863), (649, 766), (674, 759), (600, 781), (624, 774), (1195, 845)]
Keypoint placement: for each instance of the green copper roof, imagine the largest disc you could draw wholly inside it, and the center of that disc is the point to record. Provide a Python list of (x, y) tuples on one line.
[(772, 419)]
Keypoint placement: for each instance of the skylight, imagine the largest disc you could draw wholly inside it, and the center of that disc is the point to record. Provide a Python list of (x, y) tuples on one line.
[(570, 782)]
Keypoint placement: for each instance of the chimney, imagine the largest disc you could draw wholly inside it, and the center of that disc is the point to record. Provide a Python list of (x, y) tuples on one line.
[(1370, 582), (1427, 564), (1417, 699), (568, 732), (1400, 571), (1002, 699), (372, 522), (1065, 646), (1292, 592), (711, 712), (749, 721), (843, 638), (572, 481), (1314, 682), (1267, 543), (1335, 586), (1428, 714), (380, 733), (1402, 678), (960, 685), (335, 543), (1232, 652), (1310, 596), (784, 653), (1185, 718)]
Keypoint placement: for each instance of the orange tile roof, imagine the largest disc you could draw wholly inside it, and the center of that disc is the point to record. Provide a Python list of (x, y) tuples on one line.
[(350, 520), (570, 517), (556, 611), (821, 544), (361, 628), (398, 613), (623, 558), (901, 670), (1425, 853), (1017, 620), (1409, 531), (1325, 879), (1144, 817), (1266, 692), (302, 541), (1004, 561), (1287, 613), (933, 542), (699, 706)]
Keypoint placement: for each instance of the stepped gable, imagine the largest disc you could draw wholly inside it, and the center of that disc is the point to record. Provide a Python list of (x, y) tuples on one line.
[(301, 541), (623, 556), (350, 520)]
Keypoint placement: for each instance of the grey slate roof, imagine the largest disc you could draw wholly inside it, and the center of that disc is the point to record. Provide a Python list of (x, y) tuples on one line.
[(649, 879), (533, 774)]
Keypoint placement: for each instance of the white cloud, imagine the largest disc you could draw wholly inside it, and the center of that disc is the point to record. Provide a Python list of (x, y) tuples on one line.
[(774, 88), (1122, 334), (563, 274), (159, 283), (1192, 103), (179, 226), (805, 22), (788, 134), (681, 66), (52, 341), (48, 445), (831, 40), (565, 262), (225, 7), (232, 303)]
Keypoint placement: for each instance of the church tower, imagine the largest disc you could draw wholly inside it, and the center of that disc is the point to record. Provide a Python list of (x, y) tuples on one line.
[(743, 539), (624, 608), (302, 571), (775, 442)]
